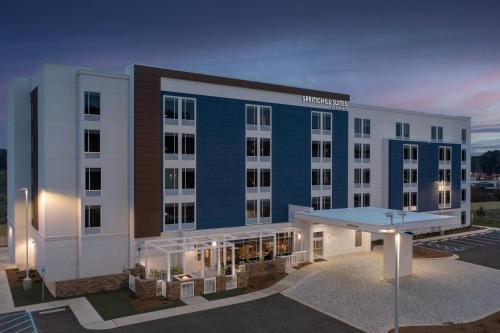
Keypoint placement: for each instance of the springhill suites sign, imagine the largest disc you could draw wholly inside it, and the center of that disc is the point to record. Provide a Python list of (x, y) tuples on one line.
[(333, 103)]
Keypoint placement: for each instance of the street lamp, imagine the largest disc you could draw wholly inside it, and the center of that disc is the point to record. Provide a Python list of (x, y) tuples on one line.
[(27, 280)]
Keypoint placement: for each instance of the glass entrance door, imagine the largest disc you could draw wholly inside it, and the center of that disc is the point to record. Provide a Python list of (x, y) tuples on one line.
[(318, 245)]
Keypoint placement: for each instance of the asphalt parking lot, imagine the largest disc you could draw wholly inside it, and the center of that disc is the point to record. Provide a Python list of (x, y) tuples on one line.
[(275, 313), (17, 322), (482, 249)]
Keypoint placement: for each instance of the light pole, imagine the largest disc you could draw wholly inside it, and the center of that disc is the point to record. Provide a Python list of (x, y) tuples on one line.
[(27, 280)]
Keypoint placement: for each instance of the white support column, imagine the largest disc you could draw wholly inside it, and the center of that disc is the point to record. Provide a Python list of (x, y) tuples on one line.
[(202, 263), (405, 259), (146, 262), (260, 245), (169, 278), (274, 245), (218, 257), (233, 269), (224, 249)]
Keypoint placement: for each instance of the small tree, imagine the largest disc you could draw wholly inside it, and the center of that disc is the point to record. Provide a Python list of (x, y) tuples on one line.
[(480, 212)]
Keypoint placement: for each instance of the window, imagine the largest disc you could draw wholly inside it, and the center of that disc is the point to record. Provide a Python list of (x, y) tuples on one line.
[(170, 107), (315, 203), (327, 121), (440, 133), (414, 153), (251, 115), (358, 238), (406, 176), (327, 177), (357, 151), (188, 144), (327, 149), (171, 143), (444, 154), (366, 127), (410, 176), (399, 130), (188, 212), (265, 147), (366, 176), (251, 177), (171, 213), (316, 149), (463, 217), (406, 130), (357, 127), (251, 147), (444, 199), (357, 176), (92, 141), (265, 208), (433, 133), (447, 197), (93, 216), (406, 152), (327, 202), (464, 136), (464, 175), (265, 178), (251, 209), (366, 152), (410, 153), (414, 176), (188, 109), (92, 103), (92, 179), (402, 130), (171, 179), (366, 199), (316, 121), (357, 200), (265, 116), (464, 194), (464, 155), (316, 177), (188, 178), (409, 200)]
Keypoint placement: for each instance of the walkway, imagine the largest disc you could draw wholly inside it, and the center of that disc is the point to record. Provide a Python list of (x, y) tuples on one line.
[(349, 288), (6, 301)]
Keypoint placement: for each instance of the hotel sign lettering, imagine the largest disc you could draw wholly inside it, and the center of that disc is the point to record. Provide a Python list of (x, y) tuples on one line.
[(333, 103)]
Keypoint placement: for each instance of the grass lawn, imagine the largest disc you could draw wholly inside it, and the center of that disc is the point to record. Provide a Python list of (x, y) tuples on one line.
[(492, 211), (28, 297), (226, 294), (3, 230), (120, 303), (485, 205)]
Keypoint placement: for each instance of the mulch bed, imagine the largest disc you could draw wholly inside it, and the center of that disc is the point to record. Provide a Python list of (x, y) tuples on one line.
[(486, 325), (16, 277), (425, 253), (263, 282), (145, 305)]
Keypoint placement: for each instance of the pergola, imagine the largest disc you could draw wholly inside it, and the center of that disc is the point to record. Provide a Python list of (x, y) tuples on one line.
[(213, 241)]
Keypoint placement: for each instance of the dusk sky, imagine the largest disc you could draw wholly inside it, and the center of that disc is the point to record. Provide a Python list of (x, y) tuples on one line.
[(435, 56)]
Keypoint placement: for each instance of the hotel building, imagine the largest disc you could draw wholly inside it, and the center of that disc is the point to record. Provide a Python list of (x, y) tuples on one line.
[(116, 164)]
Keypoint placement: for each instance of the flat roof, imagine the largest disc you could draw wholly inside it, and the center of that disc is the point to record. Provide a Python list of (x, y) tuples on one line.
[(374, 219)]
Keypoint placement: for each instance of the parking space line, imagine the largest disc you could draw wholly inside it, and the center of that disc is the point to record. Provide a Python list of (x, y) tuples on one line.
[(468, 245), (480, 241)]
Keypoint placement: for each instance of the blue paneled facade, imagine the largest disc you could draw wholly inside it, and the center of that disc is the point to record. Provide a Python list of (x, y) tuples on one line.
[(220, 164)]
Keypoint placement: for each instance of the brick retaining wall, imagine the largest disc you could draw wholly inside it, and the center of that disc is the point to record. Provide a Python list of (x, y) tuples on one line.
[(79, 287)]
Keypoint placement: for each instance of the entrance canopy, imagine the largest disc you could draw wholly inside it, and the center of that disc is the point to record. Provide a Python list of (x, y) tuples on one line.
[(375, 220)]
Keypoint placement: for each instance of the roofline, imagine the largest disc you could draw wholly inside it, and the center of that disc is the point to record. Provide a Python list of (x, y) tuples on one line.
[(412, 112), (229, 81)]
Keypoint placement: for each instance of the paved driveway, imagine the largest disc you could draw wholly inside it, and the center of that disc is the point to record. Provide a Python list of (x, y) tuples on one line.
[(349, 288), (482, 249)]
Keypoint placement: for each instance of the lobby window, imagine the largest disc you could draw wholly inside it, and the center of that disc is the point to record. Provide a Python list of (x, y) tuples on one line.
[(464, 194), (316, 121), (357, 127), (92, 216), (265, 147), (251, 209), (357, 151), (366, 128), (92, 141), (464, 136), (188, 109), (464, 175), (171, 213), (327, 149), (464, 155), (251, 147), (187, 212), (251, 177), (92, 179), (327, 121), (316, 177), (92, 103), (315, 203), (265, 178), (316, 149), (171, 179), (366, 152), (327, 177), (188, 144), (265, 116), (170, 107), (251, 115), (327, 202), (171, 143), (358, 238), (188, 178), (265, 208)]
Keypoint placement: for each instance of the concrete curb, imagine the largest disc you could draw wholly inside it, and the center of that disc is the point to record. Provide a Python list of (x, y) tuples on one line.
[(452, 257)]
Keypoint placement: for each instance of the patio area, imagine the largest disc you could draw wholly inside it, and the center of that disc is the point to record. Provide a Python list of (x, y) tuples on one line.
[(349, 288)]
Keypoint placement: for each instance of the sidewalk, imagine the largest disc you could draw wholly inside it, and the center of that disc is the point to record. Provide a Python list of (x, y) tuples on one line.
[(6, 301)]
